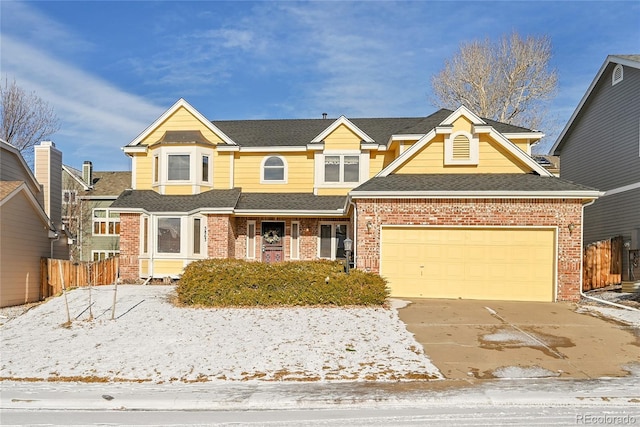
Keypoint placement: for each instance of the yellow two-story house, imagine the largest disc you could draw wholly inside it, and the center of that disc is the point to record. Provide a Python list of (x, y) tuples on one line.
[(449, 205)]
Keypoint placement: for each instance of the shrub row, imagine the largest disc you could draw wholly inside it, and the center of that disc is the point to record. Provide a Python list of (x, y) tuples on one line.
[(231, 282)]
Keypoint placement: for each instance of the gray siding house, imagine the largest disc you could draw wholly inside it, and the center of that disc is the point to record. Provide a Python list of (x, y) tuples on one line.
[(600, 147), (86, 199)]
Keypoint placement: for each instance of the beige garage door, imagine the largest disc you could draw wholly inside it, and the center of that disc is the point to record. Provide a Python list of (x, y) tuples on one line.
[(472, 263)]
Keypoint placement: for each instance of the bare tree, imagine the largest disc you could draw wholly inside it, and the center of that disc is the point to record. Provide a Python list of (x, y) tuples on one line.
[(509, 81), (26, 118)]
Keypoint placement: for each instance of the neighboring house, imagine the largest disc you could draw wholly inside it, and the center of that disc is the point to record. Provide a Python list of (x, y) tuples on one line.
[(550, 163), (600, 147), (27, 232), (448, 206), (86, 199)]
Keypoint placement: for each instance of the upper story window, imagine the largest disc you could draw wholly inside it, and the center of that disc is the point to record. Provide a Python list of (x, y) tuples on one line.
[(69, 197), (274, 170), (617, 75), (341, 168), (106, 222), (461, 148), (178, 167), (205, 169)]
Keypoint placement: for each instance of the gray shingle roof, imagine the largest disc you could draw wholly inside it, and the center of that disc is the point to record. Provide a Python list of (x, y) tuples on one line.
[(151, 201), (184, 137), (299, 132), (290, 202), (469, 183)]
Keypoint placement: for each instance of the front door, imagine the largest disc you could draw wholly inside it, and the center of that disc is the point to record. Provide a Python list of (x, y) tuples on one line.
[(272, 242)]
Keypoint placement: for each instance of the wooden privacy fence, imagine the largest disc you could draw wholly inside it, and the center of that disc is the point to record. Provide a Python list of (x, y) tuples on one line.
[(76, 274), (602, 263)]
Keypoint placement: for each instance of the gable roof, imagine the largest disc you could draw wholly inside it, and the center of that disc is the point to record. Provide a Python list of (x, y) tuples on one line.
[(4, 145), (300, 132), (9, 189), (626, 60), (447, 122), (472, 186), (181, 103)]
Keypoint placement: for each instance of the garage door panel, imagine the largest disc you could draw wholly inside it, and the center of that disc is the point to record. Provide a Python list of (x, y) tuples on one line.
[(475, 263)]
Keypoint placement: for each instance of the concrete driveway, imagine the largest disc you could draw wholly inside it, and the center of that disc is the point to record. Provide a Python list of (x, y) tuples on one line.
[(502, 339)]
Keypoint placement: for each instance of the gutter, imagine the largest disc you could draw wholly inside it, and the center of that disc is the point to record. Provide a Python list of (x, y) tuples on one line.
[(582, 294)]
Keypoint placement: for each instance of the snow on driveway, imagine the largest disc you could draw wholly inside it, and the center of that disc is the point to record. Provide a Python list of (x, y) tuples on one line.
[(153, 340)]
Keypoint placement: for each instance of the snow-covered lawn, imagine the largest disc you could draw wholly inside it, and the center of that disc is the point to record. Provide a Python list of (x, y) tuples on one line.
[(151, 339)]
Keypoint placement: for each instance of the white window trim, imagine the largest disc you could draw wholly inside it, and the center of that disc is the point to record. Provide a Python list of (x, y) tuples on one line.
[(106, 219), (142, 230), (183, 239), (155, 169), (617, 68), (295, 245), (334, 240), (203, 236), (209, 165), (286, 170), (474, 150), (195, 167), (363, 172), (251, 240)]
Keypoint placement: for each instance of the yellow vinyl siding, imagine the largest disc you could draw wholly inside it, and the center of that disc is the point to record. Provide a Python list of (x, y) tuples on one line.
[(166, 267), (181, 119), (178, 189), (221, 170), (144, 170), (491, 160), (342, 139), (144, 267), (300, 167), (472, 263), (377, 162), (332, 191)]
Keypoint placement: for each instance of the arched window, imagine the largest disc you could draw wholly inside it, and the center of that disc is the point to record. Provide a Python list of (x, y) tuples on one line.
[(274, 170), (617, 75)]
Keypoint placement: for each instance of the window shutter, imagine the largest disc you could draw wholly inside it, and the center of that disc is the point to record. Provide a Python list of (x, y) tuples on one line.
[(461, 147)]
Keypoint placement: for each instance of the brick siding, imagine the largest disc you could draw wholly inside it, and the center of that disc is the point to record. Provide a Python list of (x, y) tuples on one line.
[(477, 212), (129, 246)]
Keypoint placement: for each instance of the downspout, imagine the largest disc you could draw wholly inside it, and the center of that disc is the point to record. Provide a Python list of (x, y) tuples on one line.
[(582, 294)]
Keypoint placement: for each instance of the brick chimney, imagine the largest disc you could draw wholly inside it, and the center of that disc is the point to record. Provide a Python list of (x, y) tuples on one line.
[(48, 171)]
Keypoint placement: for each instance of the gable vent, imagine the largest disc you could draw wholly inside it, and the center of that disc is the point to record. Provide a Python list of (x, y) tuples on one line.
[(617, 75), (461, 147)]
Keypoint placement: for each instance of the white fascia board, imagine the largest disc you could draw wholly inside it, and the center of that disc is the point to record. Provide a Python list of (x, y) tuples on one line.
[(622, 189), (407, 154), (272, 149), (476, 195), (76, 178), (289, 213), (218, 211), (137, 149), (405, 137), (610, 59), (316, 146), (342, 121), (181, 103), (36, 206), (372, 146), (524, 135), (516, 151), (130, 210), (228, 148), (16, 152), (463, 111)]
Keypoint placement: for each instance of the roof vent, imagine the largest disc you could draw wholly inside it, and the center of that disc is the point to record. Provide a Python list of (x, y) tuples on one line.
[(617, 75), (324, 115)]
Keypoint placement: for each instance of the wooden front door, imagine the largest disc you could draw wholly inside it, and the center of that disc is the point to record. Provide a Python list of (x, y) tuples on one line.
[(272, 242)]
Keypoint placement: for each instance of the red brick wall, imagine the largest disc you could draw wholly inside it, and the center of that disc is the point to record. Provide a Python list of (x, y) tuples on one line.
[(220, 230), (477, 212), (129, 246)]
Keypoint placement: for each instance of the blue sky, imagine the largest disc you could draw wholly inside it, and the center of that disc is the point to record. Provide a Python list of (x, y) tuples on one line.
[(109, 69)]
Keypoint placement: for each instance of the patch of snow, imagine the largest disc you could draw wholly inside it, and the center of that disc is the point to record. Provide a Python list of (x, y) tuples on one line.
[(630, 317), (519, 372), (152, 340), (511, 337)]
